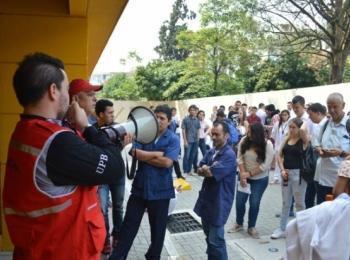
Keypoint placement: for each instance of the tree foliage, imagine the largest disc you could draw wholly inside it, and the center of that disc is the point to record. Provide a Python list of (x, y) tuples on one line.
[(155, 78), (311, 26), (289, 71), (121, 86), (167, 48), (225, 43)]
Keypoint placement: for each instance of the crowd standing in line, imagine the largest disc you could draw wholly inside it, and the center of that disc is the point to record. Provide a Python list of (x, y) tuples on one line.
[(74, 157)]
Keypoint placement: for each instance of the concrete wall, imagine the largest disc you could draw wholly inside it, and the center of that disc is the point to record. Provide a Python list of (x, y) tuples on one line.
[(278, 98)]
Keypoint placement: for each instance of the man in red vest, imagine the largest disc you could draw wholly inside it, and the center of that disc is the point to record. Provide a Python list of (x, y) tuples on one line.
[(49, 198)]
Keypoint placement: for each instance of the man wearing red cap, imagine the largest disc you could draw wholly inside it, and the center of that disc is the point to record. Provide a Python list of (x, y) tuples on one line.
[(84, 93)]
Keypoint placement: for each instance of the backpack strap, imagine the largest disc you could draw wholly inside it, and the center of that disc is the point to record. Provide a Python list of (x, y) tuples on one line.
[(347, 125), (324, 129)]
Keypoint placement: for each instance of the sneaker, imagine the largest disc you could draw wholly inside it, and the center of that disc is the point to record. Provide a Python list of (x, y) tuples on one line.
[(278, 233), (291, 214), (235, 228), (275, 181), (253, 233)]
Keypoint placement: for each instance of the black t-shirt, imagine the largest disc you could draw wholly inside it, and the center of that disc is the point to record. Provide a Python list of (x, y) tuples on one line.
[(292, 156)]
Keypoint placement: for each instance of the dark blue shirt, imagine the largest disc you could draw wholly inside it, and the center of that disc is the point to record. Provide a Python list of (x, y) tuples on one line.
[(216, 196), (155, 183)]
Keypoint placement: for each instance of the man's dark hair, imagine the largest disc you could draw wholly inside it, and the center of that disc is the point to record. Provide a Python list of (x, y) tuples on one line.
[(101, 106), (35, 73), (270, 107), (255, 108), (224, 126), (173, 109), (192, 107), (261, 105), (238, 101), (220, 113), (298, 100), (318, 108), (164, 109), (244, 105)]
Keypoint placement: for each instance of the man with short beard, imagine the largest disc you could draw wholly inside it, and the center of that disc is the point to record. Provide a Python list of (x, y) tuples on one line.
[(49, 198)]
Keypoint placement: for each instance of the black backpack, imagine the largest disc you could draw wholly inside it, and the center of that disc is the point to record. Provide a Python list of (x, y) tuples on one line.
[(308, 162)]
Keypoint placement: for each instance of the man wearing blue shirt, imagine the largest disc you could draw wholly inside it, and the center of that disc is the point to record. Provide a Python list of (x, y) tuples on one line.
[(216, 196), (152, 188)]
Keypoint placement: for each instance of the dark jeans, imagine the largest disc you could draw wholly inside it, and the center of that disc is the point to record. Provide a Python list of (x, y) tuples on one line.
[(157, 214), (257, 188), (190, 153), (117, 192), (203, 148), (216, 245), (322, 191), (310, 195)]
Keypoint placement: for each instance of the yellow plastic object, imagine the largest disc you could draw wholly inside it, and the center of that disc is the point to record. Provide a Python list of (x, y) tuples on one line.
[(182, 184)]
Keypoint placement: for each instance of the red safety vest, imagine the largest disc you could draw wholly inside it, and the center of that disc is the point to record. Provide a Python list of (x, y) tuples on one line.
[(55, 224)]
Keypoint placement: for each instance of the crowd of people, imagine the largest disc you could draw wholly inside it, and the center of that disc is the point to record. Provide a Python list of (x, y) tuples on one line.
[(63, 169)]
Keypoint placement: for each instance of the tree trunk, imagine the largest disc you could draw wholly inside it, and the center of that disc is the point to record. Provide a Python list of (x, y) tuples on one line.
[(337, 67)]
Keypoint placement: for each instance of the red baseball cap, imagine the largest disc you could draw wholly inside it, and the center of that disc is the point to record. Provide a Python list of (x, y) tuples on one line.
[(79, 85)]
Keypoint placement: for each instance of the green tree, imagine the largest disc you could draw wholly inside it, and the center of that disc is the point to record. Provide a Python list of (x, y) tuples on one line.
[(226, 43), (121, 86), (155, 78), (289, 71), (313, 27), (167, 48)]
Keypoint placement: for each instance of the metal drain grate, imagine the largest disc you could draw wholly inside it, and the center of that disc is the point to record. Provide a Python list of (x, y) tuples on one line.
[(182, 222)]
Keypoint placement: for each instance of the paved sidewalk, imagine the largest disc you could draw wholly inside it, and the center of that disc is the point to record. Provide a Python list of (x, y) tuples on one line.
[(191, 245)]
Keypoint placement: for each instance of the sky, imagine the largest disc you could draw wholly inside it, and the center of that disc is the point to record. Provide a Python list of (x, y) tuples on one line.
[(137, 30)]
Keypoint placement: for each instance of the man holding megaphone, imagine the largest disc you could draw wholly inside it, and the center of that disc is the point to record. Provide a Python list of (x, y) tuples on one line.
[(152, 188), (49, 198)]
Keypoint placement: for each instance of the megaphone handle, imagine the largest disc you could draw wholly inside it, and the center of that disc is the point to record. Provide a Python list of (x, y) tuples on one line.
[(131, 173)]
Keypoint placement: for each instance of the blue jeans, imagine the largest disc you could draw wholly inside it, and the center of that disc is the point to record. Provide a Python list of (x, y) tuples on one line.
[(117, 192), (216, 245), (257, 188), (189, 158)]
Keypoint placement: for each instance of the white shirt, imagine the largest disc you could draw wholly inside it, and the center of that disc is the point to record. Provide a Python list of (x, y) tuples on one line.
[(321, 232), (334, 136), (279, 133), (262, 115), (204, 127), (291, 113), (315, 142)]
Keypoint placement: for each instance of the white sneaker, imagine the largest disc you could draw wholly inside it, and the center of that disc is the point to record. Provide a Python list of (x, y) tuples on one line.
[(278, 233)]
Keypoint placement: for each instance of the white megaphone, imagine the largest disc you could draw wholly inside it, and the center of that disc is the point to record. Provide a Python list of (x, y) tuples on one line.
[(141, 123)]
